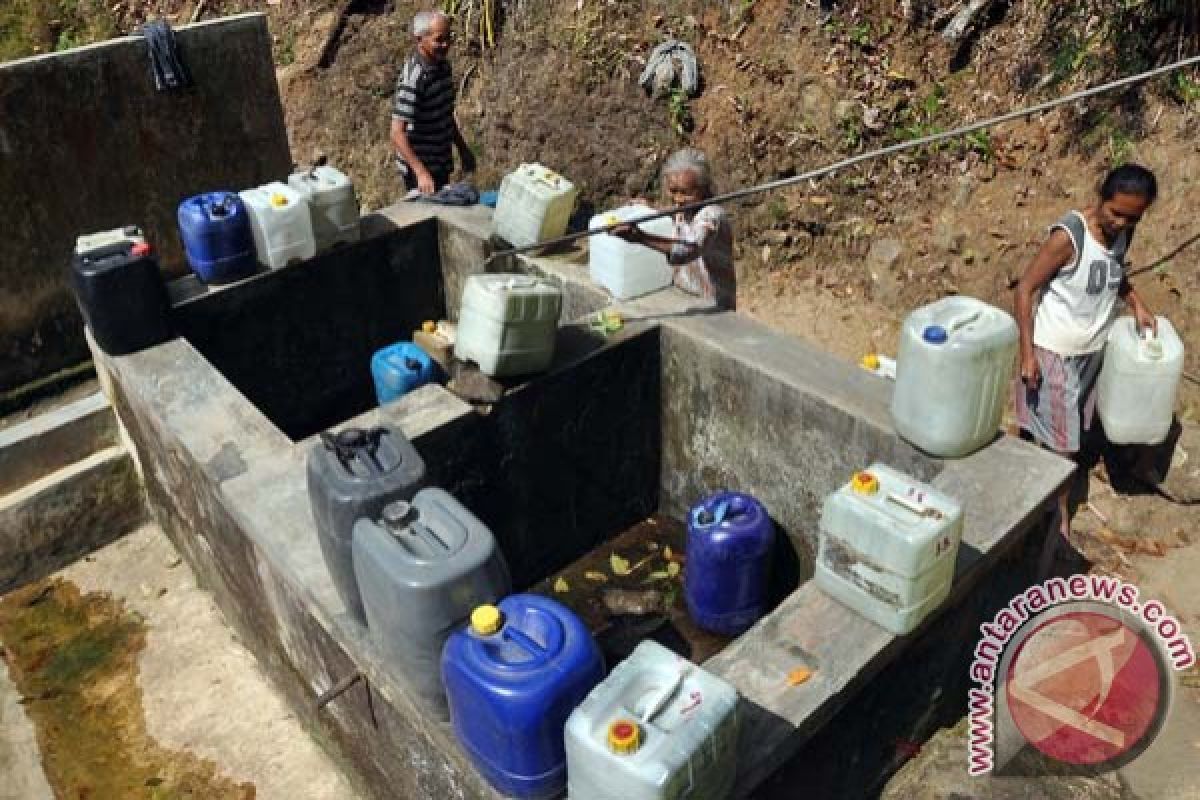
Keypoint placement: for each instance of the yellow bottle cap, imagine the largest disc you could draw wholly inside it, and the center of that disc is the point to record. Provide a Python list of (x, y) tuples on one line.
[(864, 483), (624, 736), (486, 620), (278, 200), (429, 326), (870, 361), (611, 219)]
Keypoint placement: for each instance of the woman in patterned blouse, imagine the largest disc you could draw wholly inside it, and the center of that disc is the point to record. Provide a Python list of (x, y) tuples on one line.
[(701, 251)]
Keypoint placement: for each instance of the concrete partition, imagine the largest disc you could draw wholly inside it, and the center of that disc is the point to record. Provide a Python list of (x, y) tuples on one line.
[(88, 144), (646, 420)]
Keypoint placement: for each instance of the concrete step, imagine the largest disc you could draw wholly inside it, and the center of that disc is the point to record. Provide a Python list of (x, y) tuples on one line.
[(37, 447), (66, 514)]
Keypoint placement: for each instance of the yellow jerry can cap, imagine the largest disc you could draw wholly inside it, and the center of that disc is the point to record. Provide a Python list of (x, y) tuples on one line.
[(624, 736), (486, 620), (429, 326), (870, 361), (864, 483), (279, 200)]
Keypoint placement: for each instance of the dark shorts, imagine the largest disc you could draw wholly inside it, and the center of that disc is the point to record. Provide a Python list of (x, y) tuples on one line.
[(1058, 412)]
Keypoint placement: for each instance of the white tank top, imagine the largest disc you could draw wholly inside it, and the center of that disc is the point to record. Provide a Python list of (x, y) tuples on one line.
[(1078, 305)]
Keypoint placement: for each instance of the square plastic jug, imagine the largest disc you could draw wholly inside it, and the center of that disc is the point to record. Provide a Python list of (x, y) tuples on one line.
[(507, 323), (421, 569), (624, 268), (534, 205), (280, 221), (1135, 393), (953, 375), (657, 728), (332, 204), (887, 547)]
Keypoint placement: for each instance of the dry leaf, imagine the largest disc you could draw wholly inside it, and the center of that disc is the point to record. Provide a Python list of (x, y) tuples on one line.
[(619, 566), (561, 586), (799, 675), (598, 577), (672, 569), (660, 575), (668, 554)]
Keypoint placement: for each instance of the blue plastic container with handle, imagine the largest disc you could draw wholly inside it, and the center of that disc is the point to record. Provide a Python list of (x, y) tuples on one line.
[(399, 368), (512, 678), (729, 541), (217, 239)]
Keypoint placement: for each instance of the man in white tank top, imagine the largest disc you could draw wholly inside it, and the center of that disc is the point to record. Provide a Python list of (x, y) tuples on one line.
[(1066, 302)]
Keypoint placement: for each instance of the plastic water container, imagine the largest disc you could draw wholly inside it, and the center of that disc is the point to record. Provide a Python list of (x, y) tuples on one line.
[(421, 569), (332, 204), (507, 323), (534, 204), (216, 235), (120, 291), (280, 221), (887, 547), (351, 474), (657, 728), (729, 541), (953, 375), (624, 268), (512, 678), (1138, 381), (399, 368), (94, 241)]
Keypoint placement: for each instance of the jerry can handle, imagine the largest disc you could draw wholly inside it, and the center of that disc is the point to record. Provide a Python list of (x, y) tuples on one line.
[(664, 697), (966, 319), (913, 507), (526, 643)]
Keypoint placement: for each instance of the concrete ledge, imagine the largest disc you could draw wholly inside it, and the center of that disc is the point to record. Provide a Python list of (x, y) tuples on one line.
[(67, 514), (48, 442)]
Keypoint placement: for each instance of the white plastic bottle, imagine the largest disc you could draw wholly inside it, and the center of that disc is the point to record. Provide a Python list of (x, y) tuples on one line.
[(953, 374), (507, 323), (533, 205), (657, 728), (332, 205), (624, 268), (282, 227), (887, 547), (1138, 382)]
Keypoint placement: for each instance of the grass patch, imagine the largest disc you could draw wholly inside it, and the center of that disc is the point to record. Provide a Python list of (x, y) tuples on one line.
[(30, 27)]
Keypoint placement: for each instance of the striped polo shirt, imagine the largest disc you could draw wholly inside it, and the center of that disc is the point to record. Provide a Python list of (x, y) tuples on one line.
[(424, 99)]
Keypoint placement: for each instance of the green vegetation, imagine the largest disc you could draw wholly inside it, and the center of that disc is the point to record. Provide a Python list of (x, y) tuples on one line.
[(29, 27), (680, 113), (1107, 134)]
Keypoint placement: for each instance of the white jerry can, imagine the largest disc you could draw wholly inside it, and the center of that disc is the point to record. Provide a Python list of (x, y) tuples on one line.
[(887, 548), (280, 222), (953, 375), (657, 728), (624, 268), (507, 323), (534, 204), (332, 205), (1138, 381)]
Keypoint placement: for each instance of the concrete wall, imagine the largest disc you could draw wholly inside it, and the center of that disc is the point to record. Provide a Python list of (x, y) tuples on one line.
[(297, 342), (754, 413), (87, 144)]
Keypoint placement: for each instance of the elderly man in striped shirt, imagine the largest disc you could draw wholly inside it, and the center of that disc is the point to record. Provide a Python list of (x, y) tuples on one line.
[(423, 125)]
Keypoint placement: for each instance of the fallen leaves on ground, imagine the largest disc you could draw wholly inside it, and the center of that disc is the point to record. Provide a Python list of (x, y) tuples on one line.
[(799, 675), (561, 586)]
